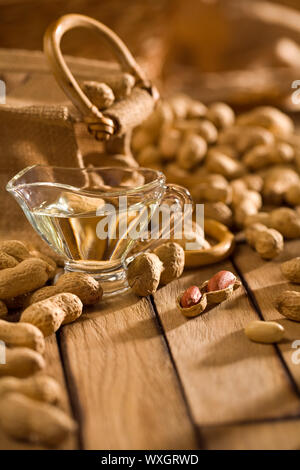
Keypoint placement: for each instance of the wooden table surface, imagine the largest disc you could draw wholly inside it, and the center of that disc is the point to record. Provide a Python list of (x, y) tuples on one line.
[(138, 375)]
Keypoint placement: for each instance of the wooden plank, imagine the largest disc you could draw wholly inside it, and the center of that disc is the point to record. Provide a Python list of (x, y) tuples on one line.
[(266, 282), (54, 369), (127, 390), (226, 378), (276, 435)]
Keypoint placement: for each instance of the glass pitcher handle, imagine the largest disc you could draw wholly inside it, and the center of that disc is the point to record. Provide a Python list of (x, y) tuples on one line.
[(180, 197)]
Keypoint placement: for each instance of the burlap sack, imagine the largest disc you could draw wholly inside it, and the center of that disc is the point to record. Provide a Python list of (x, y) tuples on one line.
[(39, 125)]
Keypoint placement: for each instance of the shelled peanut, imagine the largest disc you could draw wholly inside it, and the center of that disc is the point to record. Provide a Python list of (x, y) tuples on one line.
[(245, 168), (264, 331)]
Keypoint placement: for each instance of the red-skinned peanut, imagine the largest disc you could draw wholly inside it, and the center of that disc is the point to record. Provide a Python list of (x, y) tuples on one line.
[(190, 297), (220, 281)]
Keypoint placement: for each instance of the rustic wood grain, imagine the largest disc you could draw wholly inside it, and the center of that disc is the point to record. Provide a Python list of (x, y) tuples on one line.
[(126, 389), (266, 282), (54, 369), (274, 435), (226, 378)]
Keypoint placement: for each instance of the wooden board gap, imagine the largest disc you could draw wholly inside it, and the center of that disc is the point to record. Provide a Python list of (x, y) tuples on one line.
[(198, 435), (71, 390), (255, 303)]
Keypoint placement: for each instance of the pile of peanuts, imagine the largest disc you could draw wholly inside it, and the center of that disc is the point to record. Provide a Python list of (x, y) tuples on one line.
[(30, 401), (245, 169), (34, 283)]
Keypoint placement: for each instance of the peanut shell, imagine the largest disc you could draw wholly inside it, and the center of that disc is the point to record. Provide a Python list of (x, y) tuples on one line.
[(288, 304), (49, 314), (193, 311), (291, 269), (28, 275), (207, 299), (218, 296)]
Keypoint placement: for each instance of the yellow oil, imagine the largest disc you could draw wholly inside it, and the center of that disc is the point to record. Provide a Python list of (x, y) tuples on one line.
[(70, 224)]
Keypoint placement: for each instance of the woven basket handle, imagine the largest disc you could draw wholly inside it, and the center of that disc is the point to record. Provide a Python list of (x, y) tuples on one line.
[(63, 75)]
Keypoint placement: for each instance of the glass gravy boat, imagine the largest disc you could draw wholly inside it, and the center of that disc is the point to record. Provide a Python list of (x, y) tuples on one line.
[(90, 216)]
